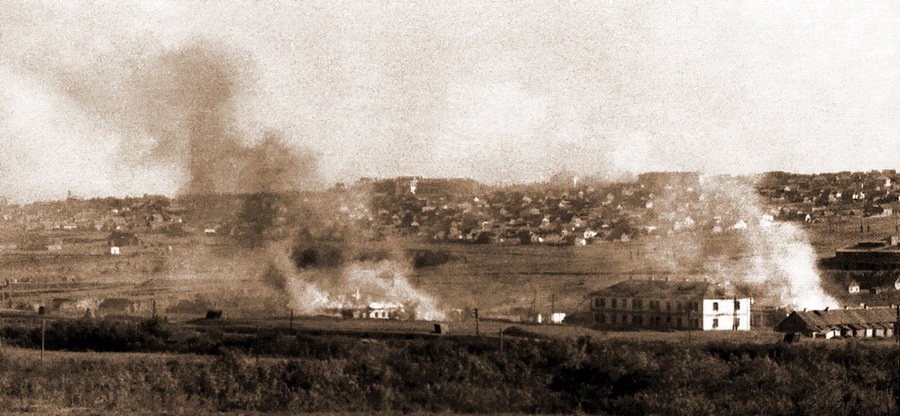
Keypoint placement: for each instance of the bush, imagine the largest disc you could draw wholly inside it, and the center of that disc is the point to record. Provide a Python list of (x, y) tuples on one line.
[(338, 373)]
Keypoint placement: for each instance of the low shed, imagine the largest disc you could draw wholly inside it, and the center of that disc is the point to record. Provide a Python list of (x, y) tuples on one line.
[(830, 323)]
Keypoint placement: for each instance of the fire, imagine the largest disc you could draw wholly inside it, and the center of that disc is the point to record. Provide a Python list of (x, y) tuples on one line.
[(381, 291)]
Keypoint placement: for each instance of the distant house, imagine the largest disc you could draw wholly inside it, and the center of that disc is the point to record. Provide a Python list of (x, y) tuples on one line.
[(121, 238), (663, 304), (831, 323), (854, 287), (374, 310), (64, 304), (121, 306)]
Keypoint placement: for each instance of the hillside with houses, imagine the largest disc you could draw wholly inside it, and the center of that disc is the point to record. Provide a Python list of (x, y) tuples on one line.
[(565, 211)]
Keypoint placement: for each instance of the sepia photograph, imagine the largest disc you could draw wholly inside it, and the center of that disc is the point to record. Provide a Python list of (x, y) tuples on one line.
[(470, 207)]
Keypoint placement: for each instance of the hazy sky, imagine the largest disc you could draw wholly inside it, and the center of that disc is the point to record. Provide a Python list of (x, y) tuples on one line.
[(496, 92)]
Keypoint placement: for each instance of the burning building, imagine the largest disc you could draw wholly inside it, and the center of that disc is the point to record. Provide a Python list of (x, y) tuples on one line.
[(372, 310)]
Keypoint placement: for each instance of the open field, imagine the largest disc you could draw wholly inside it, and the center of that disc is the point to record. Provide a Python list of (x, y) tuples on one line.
[(260, 359), (513, 282)]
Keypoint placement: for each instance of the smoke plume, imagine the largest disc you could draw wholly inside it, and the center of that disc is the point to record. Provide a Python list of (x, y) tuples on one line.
[(333, 287), (187, 99), (722, 232)]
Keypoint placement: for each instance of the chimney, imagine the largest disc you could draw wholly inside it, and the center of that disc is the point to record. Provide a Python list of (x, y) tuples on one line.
[(826, 308)]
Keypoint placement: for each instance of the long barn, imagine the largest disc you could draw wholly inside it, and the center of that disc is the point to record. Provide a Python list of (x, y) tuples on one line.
[(832, 323)]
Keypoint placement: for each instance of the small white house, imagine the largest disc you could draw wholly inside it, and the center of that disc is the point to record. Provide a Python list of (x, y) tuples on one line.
[(557, 317), (854, 287), (115, 250)]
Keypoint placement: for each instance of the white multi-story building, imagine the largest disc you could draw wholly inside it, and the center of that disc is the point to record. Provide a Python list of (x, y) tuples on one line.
[(665, 304)]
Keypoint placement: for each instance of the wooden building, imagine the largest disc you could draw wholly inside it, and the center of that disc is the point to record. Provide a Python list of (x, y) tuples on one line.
[(865, 322)]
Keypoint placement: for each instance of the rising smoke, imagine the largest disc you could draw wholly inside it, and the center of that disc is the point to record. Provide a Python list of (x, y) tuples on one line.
[(188, 102), (722, 232)]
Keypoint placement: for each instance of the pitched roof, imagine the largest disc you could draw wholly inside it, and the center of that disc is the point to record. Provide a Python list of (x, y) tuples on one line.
[(662, 289), (851, 318)]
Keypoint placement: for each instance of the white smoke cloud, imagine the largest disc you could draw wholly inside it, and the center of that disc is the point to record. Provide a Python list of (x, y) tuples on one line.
[(773, 260), (353, 285)]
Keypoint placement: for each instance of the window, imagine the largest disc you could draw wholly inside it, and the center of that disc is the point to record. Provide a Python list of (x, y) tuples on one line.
[(601, 302), (624, 319), (678, 306), (668, 306), (637, 304), (737, 305), (614, 303), (602, 317), (638, 319), (715, 323), (715, 306), (612, 319), (679, 322)]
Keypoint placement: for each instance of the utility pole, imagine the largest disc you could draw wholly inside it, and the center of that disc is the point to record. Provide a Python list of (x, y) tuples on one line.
[(292, 319), (476, 322), (552, 306), (501, 340), (43, 332), (690, 322)]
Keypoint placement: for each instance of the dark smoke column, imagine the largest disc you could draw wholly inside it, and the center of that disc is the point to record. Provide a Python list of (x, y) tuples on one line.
[(188, 101)]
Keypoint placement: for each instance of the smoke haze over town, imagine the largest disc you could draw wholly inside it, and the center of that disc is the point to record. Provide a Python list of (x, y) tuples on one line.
[(171, 97)]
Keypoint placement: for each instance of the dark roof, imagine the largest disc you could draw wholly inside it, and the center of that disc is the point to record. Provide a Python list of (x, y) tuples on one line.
[(662, 289), (817, 321), (115, 303)]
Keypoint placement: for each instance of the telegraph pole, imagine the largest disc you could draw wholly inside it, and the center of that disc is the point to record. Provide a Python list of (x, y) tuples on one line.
[(43, 332), (476, 322), (552, 306)]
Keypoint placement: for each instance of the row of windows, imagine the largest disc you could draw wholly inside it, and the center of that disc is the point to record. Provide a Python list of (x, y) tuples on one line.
[(641, 320), (655, 320), (737, 305), (653, 305), (736, 323)]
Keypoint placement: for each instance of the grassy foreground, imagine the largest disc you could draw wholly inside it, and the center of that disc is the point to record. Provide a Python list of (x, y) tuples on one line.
[(341, 374)]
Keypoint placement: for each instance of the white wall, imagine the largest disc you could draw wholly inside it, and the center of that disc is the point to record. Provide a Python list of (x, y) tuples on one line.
[(726, 314)]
